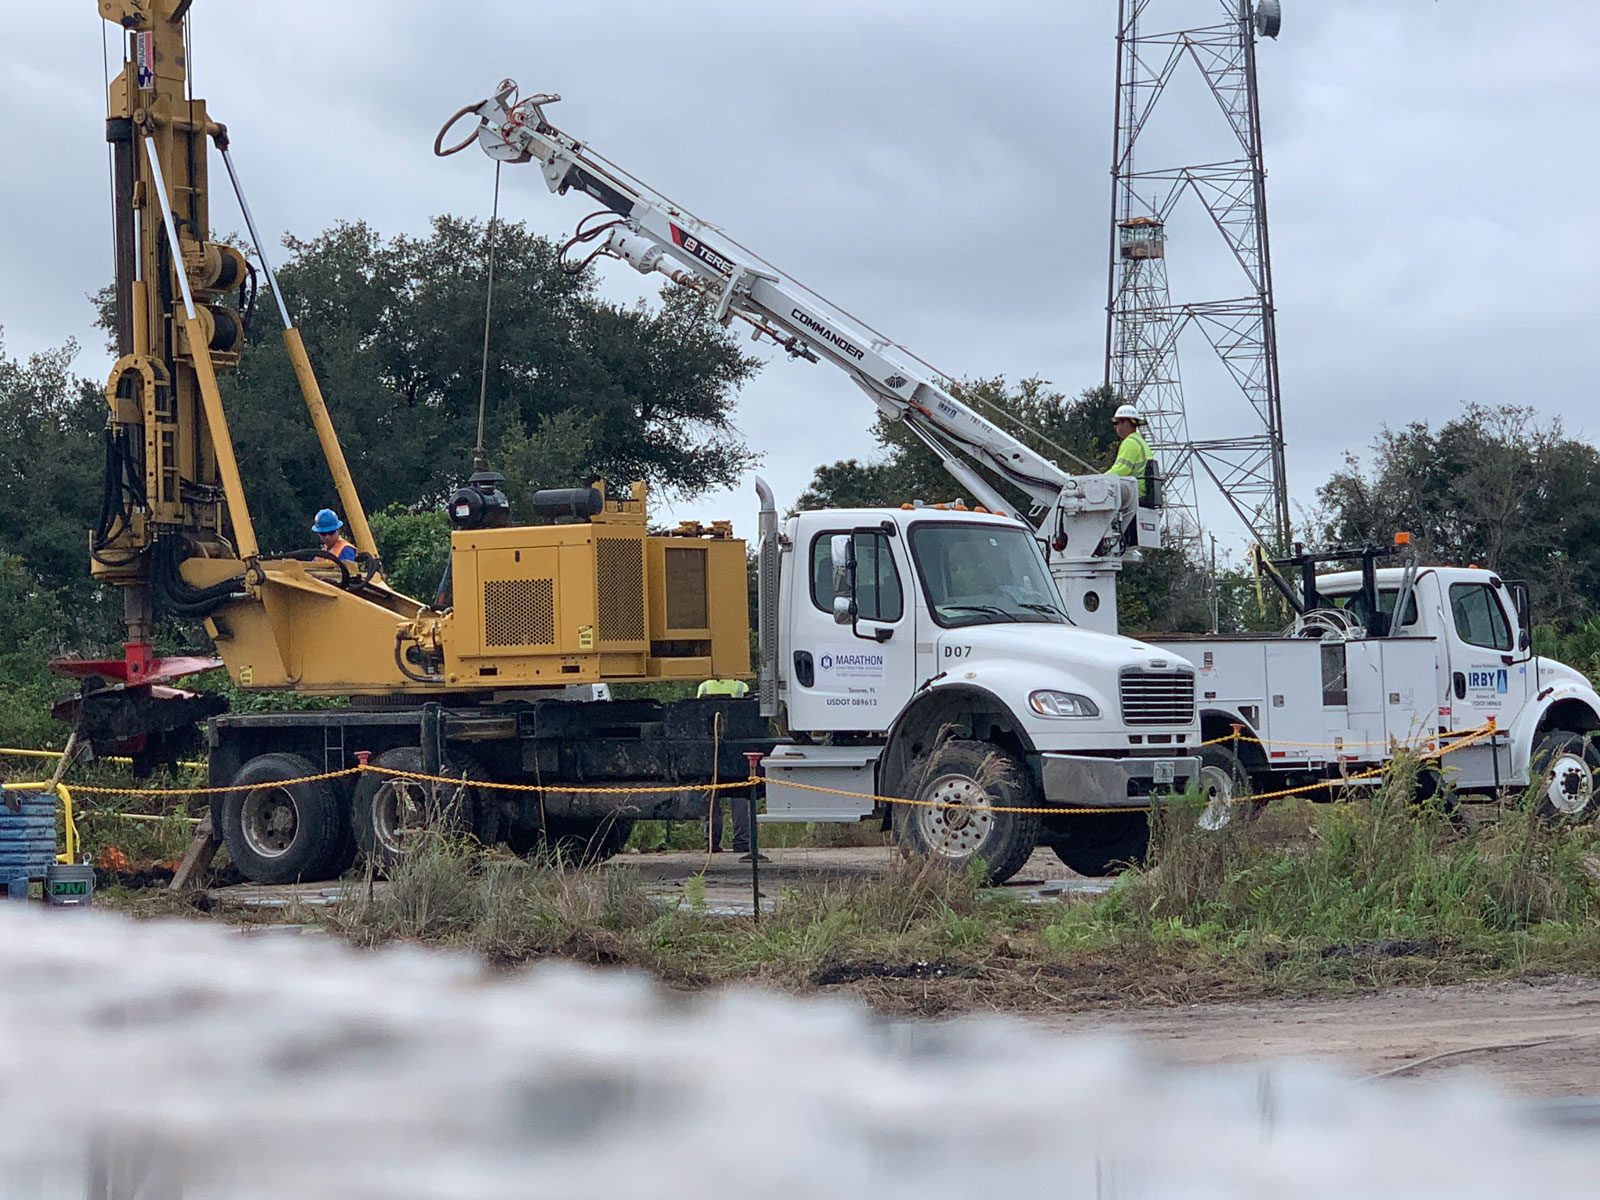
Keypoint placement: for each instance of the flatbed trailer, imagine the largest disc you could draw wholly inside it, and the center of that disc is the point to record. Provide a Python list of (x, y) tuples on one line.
[(552, 753)]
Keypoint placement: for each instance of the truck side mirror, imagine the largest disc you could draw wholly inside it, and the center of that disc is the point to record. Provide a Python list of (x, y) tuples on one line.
[(1521, 600), (843, 549)]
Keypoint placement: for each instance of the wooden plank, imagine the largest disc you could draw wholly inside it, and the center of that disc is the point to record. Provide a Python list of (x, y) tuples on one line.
[(198, 858)]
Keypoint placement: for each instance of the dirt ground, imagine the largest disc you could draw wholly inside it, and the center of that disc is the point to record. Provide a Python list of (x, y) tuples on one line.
[(1536, 1038)]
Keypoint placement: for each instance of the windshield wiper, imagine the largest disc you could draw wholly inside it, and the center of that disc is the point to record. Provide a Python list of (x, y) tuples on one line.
[(982, 608), (1044, 608)]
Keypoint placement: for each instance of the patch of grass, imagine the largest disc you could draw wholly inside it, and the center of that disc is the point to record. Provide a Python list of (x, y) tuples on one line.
[(1371, 889), (512, 910)]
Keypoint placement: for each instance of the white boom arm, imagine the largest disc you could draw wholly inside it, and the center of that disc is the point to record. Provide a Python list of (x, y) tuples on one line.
[(1077, 514)]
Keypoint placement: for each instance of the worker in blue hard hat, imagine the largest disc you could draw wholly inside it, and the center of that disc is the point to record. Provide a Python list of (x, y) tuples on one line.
[(327, 526)]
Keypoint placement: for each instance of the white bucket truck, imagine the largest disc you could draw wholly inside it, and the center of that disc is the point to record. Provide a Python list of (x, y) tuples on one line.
[(1382, 659)]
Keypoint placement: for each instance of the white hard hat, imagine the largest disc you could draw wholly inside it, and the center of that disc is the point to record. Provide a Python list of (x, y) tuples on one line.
[(1127, 412)]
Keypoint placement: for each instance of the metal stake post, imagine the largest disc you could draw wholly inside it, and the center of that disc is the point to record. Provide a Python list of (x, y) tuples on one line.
[(753, 757)]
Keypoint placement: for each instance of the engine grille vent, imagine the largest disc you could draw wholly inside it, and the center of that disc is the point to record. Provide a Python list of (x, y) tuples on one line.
[(686, 587), (1157, 697), (519, 612), (619, 570)]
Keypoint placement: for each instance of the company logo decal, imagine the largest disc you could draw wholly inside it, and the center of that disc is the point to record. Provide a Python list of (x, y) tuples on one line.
[(703, 252), (838, 341)]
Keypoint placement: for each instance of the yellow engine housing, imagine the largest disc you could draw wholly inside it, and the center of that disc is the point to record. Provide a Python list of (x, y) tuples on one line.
[(595, 602)]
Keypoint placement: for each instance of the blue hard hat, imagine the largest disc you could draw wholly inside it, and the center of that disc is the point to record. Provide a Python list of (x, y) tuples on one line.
[(327, 522)]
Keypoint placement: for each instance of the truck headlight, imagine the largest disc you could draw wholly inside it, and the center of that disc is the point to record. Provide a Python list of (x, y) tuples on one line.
[(1062, 704)]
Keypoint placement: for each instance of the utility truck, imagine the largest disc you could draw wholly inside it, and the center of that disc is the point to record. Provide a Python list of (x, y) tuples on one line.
[(958, 658), (1434, 660)]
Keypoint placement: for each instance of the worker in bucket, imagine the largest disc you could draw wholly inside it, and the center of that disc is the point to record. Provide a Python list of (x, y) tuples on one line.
[(327, 526), (1134, 453)]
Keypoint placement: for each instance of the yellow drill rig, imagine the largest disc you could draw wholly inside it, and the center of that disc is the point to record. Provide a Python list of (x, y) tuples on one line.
[(543, 615)]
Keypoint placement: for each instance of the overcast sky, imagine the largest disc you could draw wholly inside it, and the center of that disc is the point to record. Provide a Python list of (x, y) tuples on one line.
[(940, 168)]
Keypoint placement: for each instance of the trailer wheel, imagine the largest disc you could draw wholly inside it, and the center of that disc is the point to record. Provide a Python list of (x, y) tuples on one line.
[(281, 832), (1226, 787), (1567, 786), (388, 812), (1099, 843), (959, 783)]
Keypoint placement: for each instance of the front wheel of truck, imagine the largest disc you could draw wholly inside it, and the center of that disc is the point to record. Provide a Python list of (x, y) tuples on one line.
[(960, 793)]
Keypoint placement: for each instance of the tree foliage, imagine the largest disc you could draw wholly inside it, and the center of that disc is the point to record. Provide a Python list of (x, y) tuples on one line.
[(1045, 419), (576, 386), (1495, 486), (51, 460)]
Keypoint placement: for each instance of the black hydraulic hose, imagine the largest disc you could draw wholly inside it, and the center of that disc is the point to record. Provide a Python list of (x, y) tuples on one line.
[(400, 661), (179, 596), (345, 578)]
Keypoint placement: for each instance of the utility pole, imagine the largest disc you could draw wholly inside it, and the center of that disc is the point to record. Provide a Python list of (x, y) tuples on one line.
[(1245, 461)]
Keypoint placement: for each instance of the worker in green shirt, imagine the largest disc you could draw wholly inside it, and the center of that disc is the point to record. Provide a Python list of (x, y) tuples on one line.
[(723, 687), (732, 688), (1134, 453)]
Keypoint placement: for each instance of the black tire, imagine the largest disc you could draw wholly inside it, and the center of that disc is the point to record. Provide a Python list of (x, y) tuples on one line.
[(977, 776), (1226, 785), (583, 841), (1102, 843), (281, 834), (1563, 768), (385, 810)]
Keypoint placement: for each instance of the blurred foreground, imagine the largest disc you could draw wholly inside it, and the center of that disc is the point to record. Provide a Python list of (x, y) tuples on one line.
[(160, 1060)]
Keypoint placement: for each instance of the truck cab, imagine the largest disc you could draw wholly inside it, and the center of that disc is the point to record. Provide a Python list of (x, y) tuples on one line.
[(924, 653), (1382, 660), (1483, 667)]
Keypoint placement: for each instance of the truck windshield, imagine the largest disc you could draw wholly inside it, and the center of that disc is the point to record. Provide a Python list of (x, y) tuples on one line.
[(981, 574)]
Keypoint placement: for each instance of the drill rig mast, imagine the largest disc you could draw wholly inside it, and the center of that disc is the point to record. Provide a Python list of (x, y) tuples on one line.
[(532, 609), (173, 493)]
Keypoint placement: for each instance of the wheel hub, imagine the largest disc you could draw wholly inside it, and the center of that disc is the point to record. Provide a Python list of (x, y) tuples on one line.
[(956, 818), (269, 821), (1571, 787), (399, 808)]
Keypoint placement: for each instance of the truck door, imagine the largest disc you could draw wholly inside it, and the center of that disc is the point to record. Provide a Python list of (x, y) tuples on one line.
[(1488, 676), (848, 678)]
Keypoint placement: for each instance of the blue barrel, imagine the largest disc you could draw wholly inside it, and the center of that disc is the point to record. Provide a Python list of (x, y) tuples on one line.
[(27, 836)]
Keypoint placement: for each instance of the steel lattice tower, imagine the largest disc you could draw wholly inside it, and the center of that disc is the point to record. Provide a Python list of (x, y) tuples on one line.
[(1143, 324)]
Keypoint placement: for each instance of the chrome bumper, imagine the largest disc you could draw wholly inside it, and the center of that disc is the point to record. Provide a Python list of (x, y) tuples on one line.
[(1105, 782)]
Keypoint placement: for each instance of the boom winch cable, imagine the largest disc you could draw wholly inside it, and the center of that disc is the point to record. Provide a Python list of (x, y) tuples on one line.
[(480, 456)]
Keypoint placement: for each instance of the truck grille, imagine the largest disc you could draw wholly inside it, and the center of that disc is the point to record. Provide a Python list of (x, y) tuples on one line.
[(1157, 697)]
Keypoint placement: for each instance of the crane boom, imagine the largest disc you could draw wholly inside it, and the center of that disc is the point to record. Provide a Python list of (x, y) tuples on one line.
[(1077, 514)]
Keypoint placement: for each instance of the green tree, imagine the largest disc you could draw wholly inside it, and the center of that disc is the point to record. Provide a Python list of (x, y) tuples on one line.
[(415, 548), (51, 460), (1043, 418), (576, 386), (1496, 487)]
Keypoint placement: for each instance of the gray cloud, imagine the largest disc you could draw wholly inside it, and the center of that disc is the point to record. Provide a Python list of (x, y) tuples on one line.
[(938, 168)]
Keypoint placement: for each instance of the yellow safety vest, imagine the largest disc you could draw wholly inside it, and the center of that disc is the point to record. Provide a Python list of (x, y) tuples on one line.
[(1132, 456), (723, 687)]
